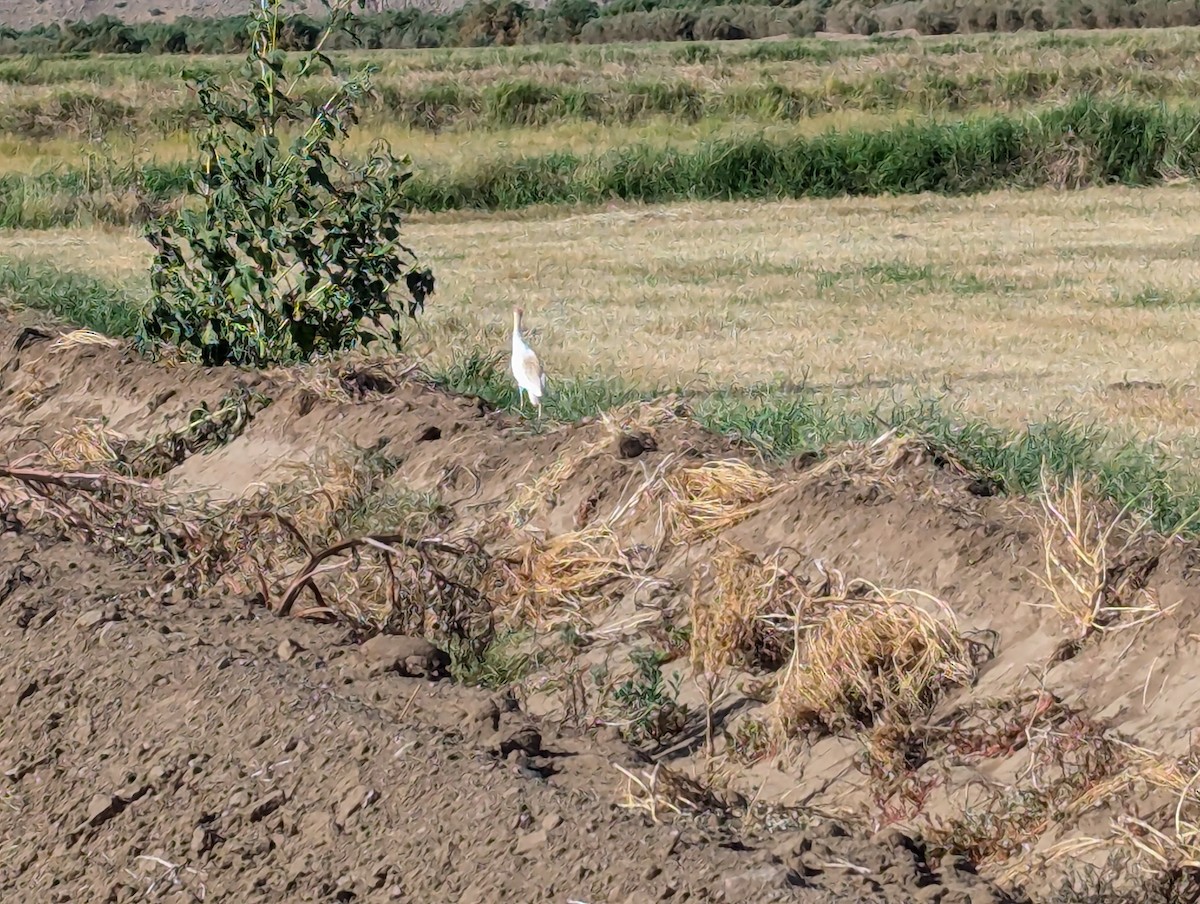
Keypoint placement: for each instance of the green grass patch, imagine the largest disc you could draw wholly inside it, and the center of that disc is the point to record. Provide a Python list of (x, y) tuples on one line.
[(518, 100), (900, 273), (1154, 298), (75, 297), (485, 375), (506, 661)]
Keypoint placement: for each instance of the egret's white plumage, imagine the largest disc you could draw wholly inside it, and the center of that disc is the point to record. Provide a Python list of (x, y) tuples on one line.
[(526, 368)]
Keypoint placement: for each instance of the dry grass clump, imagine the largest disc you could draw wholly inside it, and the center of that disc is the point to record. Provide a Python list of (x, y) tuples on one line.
[(335, 527), (1159, 828), (560, 578), (708, 498), (395, 584), (82, 337), (1094, 568), (661, 791), (862, 655), (355, 377), (530, 497), (28, 394), (638, 418), (738, 624), (873, 463), (316, 494), (641, 416), (867, 658), (742, 621), (88, 443)]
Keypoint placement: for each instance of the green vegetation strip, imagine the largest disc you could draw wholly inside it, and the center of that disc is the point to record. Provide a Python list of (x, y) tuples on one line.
[(1144, 51), (158, 111), (779, 423), (1084, 143), (506, 22)]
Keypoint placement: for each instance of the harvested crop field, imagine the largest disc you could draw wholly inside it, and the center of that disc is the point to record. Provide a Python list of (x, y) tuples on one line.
[(704, 691), (1008, 307)]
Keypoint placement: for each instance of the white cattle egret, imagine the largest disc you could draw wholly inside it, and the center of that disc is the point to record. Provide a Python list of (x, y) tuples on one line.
[(526, 368)]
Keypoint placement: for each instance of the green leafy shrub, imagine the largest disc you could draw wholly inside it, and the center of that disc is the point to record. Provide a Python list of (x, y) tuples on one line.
[(286, 252)]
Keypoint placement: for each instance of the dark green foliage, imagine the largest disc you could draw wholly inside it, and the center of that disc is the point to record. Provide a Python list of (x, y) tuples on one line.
[(493, 22), (289, 250), (563, 20), (497, 22)]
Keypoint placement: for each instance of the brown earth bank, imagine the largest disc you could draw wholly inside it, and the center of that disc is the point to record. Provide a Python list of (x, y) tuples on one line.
[(697, 685)]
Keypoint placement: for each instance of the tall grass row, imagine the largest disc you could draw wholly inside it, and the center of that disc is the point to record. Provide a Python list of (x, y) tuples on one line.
[(506, 103), (1083, 143)]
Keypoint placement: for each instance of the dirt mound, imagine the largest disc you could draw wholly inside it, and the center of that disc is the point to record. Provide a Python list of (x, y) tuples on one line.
[(702, 686), (211, 753)]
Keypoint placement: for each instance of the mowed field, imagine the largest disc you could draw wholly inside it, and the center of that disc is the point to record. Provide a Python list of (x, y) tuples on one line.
[(1012, 307)]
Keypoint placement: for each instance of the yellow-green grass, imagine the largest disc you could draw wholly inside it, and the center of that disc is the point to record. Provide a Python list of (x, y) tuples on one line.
[(1015, 306), (440, 89), (1166, 44), (1169, 54), (449, 151)]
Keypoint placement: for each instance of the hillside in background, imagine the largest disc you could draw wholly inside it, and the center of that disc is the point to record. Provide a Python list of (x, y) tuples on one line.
[(216, 26), (20, 14)]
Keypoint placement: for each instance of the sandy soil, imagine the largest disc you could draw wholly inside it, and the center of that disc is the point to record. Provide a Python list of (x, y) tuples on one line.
[(174, 740)]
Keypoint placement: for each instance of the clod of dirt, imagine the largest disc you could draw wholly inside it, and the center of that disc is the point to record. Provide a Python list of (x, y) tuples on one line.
[(359, 797), (523, 738), (102, 808), (754, 884), (306, 401), (161, 399), (412, 657), (631, 445), (361, 383), (485, 714), (28, 336), (982, 486), (94, 617), (287, 649), (527, 844)]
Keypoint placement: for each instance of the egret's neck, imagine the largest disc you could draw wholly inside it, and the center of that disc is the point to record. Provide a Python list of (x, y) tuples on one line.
[(516, 324)]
